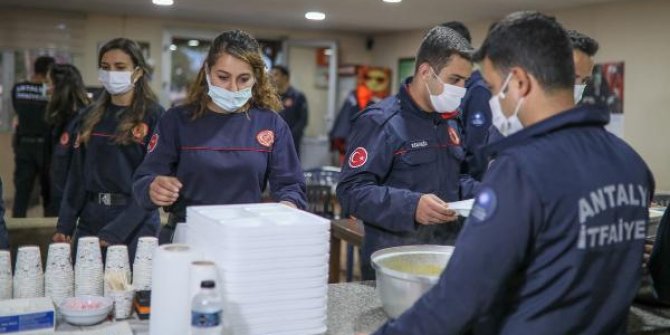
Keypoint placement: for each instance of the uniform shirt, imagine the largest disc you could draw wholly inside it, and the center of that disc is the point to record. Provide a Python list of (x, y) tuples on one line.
[(30, 103), (102, 166), (63, 138), (476, 120), (295, 112), (222, 159), (554, 242), (396, 153)]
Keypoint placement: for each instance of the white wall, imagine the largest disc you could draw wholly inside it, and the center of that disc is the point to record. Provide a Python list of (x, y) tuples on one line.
[(636, 32)]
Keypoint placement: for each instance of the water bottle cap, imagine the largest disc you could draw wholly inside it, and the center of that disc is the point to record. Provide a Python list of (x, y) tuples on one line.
[(208, 284)]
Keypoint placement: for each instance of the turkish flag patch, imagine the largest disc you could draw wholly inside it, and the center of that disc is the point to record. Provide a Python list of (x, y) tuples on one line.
[(152, 143), (358, 158), (140, 131), (64, 138), (453, 136), (265, 138)]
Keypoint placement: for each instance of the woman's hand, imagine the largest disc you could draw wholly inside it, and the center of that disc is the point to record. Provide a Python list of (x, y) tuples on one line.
[(61, 238), (164, 190)]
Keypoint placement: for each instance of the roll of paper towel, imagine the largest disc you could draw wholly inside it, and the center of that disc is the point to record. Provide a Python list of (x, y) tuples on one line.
[(201, 271), (170, 298)]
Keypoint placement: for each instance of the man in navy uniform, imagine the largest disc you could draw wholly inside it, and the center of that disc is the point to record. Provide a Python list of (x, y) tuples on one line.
[(475, 113), (553, 244), (295, 111), (584, 48), (404, 154), (31, 151)]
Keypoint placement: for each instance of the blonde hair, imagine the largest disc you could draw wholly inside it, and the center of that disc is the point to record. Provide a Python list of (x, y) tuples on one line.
[(243, 46)]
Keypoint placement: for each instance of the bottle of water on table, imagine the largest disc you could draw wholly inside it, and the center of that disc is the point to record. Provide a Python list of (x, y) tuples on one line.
[(207, 311)]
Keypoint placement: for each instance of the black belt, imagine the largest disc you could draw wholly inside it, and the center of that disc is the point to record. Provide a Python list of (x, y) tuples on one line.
[(108, 199), (30, 139)]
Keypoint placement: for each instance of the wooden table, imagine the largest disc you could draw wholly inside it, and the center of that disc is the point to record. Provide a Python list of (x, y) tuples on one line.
[(345, 230)]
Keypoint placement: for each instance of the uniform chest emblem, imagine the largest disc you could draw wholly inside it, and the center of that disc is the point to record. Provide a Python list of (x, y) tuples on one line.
[(453, 136), (265, 138), (64, 139), (153, 142), (358, 158), (140, 131), (288, 102)]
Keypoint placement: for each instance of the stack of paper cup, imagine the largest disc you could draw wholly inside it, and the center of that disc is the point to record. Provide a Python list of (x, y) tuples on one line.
[(5, 275), (28, 275), (59, 275), (88, 275), (143, 264), (117, 262)]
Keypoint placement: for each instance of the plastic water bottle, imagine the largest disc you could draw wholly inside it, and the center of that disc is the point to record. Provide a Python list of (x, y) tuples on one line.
[(207, 311)]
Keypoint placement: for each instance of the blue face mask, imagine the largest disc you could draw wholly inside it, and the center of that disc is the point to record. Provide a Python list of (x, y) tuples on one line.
[(227, 100)]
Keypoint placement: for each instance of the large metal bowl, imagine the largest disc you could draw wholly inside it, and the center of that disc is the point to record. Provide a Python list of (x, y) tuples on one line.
[(404, 274)]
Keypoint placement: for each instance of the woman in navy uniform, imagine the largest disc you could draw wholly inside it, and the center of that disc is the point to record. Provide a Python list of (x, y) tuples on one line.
[(110, 144), (67, 97), (226, 143)]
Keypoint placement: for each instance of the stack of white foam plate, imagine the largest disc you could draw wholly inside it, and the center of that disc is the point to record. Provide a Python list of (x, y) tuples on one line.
[(273, 264)]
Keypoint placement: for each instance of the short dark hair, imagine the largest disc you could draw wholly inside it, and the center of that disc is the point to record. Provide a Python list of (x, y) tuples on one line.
[(439, 44), (460, 28), (583, 43), (283, 69), (42, 64), (534, 42)]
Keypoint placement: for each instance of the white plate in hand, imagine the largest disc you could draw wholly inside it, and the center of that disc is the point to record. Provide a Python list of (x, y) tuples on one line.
[(463, 207)]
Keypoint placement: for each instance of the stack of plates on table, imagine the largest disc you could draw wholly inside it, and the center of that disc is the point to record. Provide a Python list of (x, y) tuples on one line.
[(88, 271), (273, 265), (59, 275), (28, 275)]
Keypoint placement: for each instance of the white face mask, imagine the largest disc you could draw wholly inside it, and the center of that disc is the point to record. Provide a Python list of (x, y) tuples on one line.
[(229, 101), (116, 82), (506, 126), (449, 99), (579, 91)]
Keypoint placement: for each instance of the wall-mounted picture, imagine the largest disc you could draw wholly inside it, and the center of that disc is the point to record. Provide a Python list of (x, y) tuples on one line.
[(607, 89), (405, 69)]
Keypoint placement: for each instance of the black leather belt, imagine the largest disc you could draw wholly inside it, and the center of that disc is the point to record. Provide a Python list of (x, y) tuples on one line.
[(108, 199)]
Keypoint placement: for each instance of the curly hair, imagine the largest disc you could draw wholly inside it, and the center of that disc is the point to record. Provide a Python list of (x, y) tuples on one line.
[(243, 46), (143, 96), (69, 94)]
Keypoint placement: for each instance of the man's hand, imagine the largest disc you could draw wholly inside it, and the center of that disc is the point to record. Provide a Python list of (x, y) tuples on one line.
[(164, 191), (646, 256), (432, 210)]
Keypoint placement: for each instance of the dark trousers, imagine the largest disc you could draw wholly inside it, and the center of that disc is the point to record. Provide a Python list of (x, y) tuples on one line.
[(31, 162)]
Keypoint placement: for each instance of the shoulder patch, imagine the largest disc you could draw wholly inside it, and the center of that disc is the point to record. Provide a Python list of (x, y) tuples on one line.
[(358, 158), (485, 205), (140, 131), (153, 142), (265, 138), (478, 119), (64, 139)]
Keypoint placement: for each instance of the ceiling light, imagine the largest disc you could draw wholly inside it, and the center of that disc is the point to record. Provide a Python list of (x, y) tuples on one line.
[(316, 16), (393, 1), (163, 2), (173, 47), (193, 43)]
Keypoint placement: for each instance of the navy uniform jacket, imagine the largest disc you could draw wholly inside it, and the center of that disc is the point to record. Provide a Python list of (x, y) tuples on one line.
[(102, 166), (4, 238), (554, 242), (342, 125), (222, 159), (63, 139), (295, 112), (397, 153), (476, 119)]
